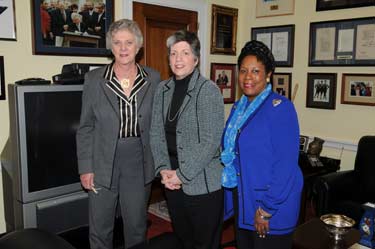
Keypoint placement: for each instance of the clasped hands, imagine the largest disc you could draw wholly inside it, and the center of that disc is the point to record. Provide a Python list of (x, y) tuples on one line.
[(170, 179)]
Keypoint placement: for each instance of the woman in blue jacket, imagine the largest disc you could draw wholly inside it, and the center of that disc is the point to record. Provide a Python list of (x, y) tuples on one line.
[(262, 178)]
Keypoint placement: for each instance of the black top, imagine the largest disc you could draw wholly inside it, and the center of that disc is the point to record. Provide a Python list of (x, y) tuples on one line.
[(174, 110)]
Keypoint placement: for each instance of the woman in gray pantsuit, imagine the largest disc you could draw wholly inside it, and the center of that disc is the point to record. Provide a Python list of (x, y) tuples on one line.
[(187, 123), (114, 156)]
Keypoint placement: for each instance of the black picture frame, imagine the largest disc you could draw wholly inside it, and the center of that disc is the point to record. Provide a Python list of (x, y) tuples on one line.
[(342, 43), (224, 30), (282, 84), (227, 86), (2, 79), (40, 48), (8, 20), (321, 90), (280, 39), (323, 5)]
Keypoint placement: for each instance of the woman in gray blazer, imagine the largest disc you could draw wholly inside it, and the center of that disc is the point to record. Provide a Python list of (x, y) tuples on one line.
[(186, 127), (114, 156)]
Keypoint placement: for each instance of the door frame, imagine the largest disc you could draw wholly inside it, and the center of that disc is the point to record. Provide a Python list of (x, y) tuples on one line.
[(193, 5)]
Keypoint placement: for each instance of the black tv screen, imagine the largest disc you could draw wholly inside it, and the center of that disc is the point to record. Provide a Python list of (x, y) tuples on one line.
[(51, 120), (40, 154)]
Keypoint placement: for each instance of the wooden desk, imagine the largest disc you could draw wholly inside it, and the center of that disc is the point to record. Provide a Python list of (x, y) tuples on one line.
[(313, 235), (74, 37)]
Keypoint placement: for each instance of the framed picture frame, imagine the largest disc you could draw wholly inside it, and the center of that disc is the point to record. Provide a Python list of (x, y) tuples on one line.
[(7, 20), (303, 142), (224, 30), (358, 89), (265, 8), (322, 5), (64, 37), (224, 75), (282, 84), (342, 43), (280, 39), (321, 90), (2, 79)]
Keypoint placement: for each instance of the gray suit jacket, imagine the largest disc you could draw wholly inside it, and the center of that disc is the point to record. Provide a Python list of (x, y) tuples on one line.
[(98, 131), (198, 134)]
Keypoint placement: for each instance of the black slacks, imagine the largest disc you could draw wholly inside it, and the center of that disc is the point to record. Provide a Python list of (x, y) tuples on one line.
[(247, 239), (196, 220)]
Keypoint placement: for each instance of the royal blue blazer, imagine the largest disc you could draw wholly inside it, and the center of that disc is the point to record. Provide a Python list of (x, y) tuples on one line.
[(267, 149)]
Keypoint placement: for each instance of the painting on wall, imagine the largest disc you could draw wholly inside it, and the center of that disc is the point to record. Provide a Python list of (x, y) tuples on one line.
[(321, 90), (358, 89), (75, 29), (224, 30), (224, 75), (322, 5), (7, 20)]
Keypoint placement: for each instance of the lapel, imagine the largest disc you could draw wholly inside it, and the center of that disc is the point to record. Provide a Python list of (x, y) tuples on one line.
[(142, 93), (111, 96), (168, 93)]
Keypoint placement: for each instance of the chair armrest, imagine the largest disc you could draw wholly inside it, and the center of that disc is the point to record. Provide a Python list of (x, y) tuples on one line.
[(334, 186)]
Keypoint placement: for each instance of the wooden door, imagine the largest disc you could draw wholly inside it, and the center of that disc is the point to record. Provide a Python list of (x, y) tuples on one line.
[(157, 24)]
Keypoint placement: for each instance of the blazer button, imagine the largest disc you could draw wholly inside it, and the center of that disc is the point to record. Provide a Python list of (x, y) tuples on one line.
[(139, 116), (180, 148), (238, 174), (237, 153)]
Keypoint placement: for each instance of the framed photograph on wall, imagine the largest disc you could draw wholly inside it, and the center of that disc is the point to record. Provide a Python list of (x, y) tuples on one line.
[(224, 30), (65, 36), (266, 8), (2, 79), (321, 90), (280, 39), (342, 43), (224, 75), (358, 89), (7, 20), (322, 5), (282, 84)]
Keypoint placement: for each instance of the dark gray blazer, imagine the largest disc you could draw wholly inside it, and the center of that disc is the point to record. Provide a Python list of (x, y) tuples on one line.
[(198, 134), (98, 131)]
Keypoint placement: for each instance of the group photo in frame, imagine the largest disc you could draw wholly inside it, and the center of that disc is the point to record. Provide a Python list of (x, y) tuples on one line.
[(342, 43), (322, 5), (280, 40), (7, 20), (224, 30), (74, 28), (358, 89), (321, 90), (2, 79), (282, 84), (224, 75), (265, 8)]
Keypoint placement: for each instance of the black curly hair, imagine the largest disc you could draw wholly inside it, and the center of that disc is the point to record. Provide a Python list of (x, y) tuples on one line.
[(259, 50)]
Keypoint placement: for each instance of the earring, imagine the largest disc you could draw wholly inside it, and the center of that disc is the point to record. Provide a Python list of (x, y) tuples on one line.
[(268, 79)]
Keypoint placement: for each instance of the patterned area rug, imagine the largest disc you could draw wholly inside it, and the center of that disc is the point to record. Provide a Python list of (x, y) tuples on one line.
[(160, 209)]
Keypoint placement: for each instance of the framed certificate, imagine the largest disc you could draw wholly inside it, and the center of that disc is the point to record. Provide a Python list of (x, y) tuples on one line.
[(342, 43), (280, 40)]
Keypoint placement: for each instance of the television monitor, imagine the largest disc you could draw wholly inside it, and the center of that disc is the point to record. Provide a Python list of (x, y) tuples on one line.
[(41, 158)]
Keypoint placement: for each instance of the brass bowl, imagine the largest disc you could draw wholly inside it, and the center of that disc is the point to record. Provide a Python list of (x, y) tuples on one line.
[(337, 224)]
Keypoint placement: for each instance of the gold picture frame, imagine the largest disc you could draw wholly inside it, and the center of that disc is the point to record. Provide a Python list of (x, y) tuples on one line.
[(224, 30), (282, 84), (265, 8), (358, 89)]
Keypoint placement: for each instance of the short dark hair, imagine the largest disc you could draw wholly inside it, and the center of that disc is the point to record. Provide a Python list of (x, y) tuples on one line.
[(189, 37), (261, 52)]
